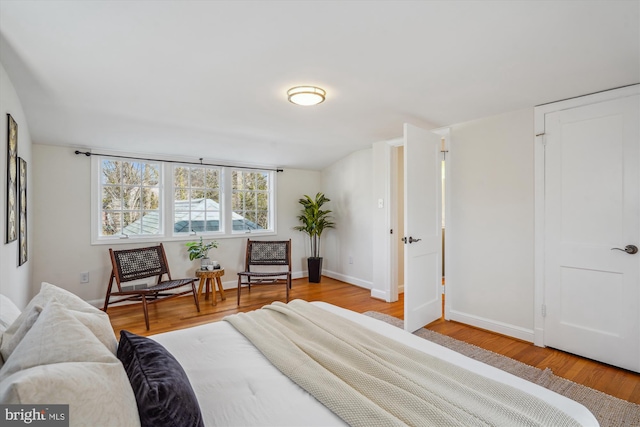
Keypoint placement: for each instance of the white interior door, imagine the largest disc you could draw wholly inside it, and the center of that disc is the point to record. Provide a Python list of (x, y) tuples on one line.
[(423, 228), (592, 192)]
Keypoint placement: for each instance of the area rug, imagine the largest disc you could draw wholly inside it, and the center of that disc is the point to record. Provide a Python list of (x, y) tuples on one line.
[(608, 410)]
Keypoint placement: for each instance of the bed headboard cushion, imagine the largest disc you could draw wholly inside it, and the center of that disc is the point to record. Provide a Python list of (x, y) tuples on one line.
[(163, 392)]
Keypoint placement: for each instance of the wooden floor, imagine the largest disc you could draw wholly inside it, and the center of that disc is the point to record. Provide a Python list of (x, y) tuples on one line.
[(181, 313)]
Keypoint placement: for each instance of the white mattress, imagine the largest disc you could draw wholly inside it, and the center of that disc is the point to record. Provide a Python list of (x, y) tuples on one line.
[(237, 386)]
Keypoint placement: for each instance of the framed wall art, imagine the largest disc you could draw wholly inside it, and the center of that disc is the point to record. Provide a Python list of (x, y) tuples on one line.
[(12, 180), (22, 211)]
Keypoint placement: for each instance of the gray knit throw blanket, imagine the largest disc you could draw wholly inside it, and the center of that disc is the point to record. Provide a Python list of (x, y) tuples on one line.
[(370, 380)]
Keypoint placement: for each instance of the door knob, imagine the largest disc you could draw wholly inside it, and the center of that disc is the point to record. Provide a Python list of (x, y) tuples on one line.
[(411, 240), (630, 249)]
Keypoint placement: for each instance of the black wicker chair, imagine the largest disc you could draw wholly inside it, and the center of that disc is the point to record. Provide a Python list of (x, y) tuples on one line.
[(261, 254), (134, 264)]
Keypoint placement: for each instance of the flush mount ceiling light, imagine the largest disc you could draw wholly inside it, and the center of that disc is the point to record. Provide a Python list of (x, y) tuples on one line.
[(306, 95)]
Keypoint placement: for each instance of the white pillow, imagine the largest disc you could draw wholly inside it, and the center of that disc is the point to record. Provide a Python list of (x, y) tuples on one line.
[(12, 339), (57, 336), (92, 317), (98, 394), (9, 312)]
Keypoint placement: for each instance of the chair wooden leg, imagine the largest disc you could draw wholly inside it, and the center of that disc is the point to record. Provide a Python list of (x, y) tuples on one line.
[(239, 287), (286, 285), (195, 295), (106, 298), (146, 312)]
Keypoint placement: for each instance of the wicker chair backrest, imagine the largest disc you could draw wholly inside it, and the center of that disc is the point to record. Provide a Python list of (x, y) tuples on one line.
[(133, 264), (268, 252)]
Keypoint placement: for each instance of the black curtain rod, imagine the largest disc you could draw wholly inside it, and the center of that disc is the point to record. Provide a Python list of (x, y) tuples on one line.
[(89, 154)]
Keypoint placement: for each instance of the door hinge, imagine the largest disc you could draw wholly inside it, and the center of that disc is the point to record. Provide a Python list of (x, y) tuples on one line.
[(543, 138), (544, 310)]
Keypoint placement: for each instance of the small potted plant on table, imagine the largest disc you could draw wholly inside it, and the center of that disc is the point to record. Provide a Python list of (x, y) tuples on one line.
[(200, 250)]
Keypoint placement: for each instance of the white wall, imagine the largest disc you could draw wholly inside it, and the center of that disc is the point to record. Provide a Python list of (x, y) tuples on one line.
[(490, 224), (15, 282), (348, 184), (61, 226)]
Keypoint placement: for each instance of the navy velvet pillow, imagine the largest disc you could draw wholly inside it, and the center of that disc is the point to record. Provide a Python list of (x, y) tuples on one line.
[(162, 389)]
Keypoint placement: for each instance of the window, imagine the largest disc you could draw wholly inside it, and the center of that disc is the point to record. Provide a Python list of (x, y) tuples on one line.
[(251, 197), (196, 199), (148, 200), (130, 194)]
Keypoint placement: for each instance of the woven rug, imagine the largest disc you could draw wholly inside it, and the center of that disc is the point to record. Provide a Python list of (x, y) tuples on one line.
[(609, 411)]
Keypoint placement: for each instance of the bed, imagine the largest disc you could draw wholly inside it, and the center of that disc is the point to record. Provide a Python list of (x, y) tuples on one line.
[(213, 375)]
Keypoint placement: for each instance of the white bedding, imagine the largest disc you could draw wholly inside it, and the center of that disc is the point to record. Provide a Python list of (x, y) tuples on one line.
[(237, 386)]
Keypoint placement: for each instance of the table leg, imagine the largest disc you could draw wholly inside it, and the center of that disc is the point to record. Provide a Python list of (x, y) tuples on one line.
[(220, 288), (200, 286), (211, 283)]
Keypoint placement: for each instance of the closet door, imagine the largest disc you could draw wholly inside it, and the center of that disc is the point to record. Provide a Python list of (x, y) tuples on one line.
[(592, 213)]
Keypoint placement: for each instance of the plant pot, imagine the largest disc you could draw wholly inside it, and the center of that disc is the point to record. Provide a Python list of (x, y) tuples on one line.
[(314, 264), (204, 262)]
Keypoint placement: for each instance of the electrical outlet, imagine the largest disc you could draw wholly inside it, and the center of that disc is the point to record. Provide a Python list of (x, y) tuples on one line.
[(84, 277), (350, 260)]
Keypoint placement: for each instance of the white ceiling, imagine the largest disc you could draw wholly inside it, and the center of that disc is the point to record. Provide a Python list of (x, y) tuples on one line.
[(209, 78)]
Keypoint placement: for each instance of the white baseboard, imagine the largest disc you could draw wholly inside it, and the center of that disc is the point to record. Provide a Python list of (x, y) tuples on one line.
[(348, 279), (492, 325), (378, 294)]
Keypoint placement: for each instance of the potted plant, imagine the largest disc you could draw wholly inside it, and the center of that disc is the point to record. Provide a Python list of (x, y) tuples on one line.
[(314, 221), (200, 250)]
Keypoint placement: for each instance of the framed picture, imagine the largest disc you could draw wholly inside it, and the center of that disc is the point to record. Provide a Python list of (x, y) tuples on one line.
[(22, 211), (12, 180)]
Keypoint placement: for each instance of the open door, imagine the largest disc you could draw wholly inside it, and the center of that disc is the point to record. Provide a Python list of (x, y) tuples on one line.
[(423, 228)]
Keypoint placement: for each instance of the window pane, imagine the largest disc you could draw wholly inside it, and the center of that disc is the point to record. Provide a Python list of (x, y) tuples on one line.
[(197, 194), (131, 173), (197, 177), (262, 219), (263, 201), (151, 198), (262, 181), (131, 197), (111, 223), (197, 199), (236, 180), (215, 197), (237, 201), (180, 178), (151, 222), (111, 198), (111, 172), (181, 195), (151, 174)]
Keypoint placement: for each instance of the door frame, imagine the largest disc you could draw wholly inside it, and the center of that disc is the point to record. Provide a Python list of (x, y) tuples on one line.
[(540, 112)]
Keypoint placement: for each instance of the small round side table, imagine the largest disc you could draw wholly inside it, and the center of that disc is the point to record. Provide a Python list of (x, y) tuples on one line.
[(206, 277)]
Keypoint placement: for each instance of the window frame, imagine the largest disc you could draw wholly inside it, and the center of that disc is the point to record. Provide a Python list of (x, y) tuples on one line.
[(166, 204)]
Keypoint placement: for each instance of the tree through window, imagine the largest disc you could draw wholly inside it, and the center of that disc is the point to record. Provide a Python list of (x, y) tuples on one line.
[(130, 194)]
